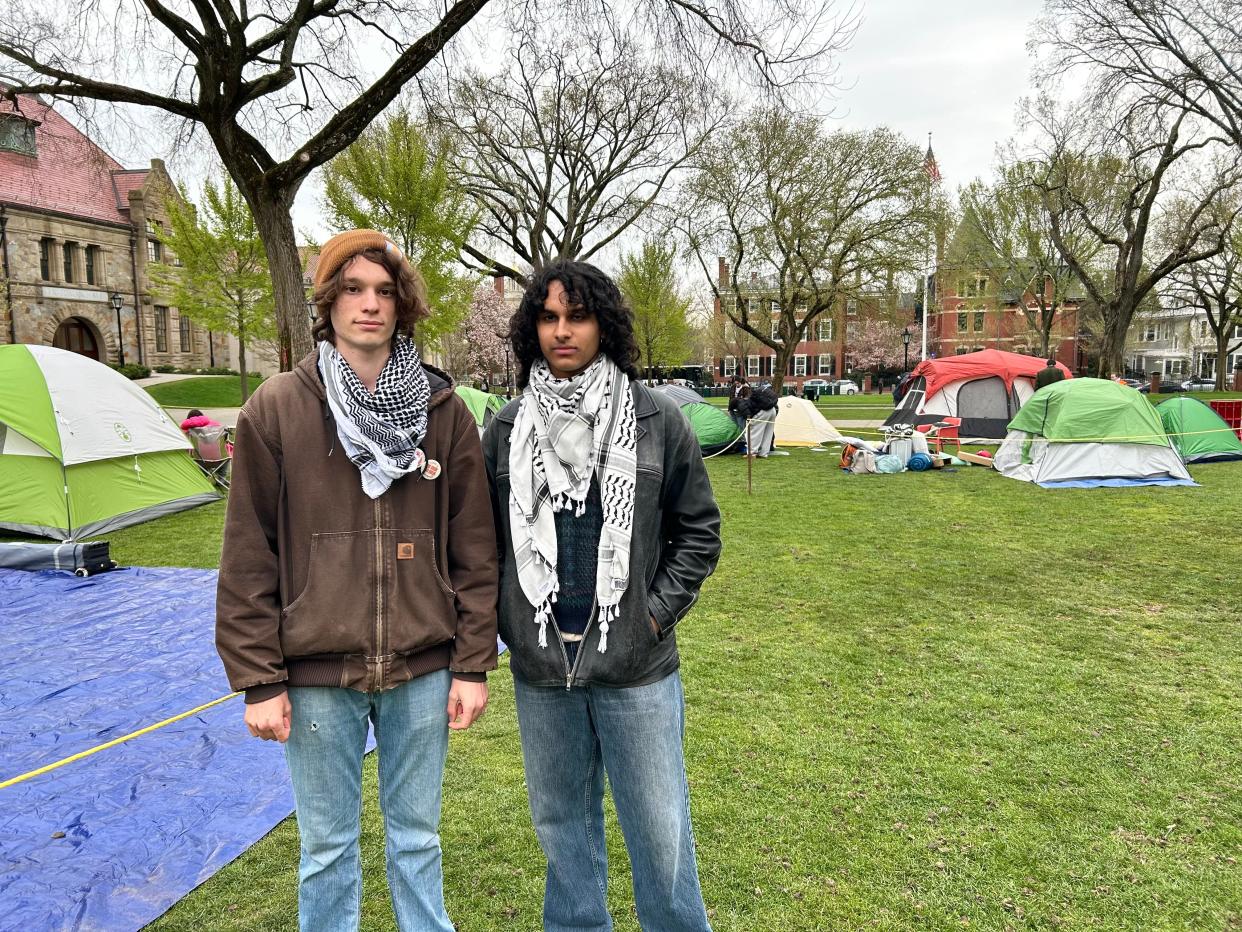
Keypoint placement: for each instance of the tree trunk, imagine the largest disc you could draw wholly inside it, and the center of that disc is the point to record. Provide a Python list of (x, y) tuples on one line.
[(272, 217), (1113, 341), (241, 362), (1222, 357)]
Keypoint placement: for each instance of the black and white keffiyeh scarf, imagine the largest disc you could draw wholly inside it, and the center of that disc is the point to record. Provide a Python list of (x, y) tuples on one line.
[(381, 432), (567, 430)]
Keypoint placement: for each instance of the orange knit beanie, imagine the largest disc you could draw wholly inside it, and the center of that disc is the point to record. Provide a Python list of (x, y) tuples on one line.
[(338, 250)]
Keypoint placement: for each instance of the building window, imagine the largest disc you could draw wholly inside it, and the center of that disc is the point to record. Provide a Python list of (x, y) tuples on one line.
[(799, 364), (752, 367), (730, 366), (67, 251), (962, 321), (161, 329), (183, 325), (1149, 333), (155, 250), (851, 306), (17, 134), (776, 329), (825, 364), (45, 258), (962, 350), (978, 321), (92, 265), (776, 307), (823, 329)]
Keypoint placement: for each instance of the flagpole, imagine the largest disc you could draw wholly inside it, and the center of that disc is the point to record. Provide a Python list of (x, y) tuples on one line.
[(931, 234)]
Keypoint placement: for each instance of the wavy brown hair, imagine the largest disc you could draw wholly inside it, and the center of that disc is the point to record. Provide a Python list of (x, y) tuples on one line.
[(411, 293), (585, 287)]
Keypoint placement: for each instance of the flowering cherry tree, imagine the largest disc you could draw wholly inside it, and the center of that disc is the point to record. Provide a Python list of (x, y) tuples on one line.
[(879, 346), (486, 332)]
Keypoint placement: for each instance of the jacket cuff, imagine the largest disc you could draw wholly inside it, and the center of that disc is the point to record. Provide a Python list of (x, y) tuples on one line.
[(469, 677), (266, 691)]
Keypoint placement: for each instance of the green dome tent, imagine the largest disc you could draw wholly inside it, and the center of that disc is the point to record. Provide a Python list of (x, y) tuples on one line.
[(1086, 433), (712, 426), (84, 451), (483, 405), (1199, 433)]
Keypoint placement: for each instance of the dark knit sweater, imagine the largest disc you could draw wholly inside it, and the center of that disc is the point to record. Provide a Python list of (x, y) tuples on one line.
[(577, 547)]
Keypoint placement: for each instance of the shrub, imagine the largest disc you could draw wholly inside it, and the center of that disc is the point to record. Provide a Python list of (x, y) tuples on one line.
[(165, 368), (133, 371)]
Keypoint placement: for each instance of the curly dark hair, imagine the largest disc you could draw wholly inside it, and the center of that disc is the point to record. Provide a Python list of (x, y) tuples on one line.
[(586, 287), (411, 293)]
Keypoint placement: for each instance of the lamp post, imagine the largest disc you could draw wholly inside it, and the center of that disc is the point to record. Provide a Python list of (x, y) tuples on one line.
[(117, 302), (905, 343)]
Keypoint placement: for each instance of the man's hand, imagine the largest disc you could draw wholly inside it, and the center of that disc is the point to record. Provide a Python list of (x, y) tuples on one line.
[(466, 703), (269, 719), (655, 626)]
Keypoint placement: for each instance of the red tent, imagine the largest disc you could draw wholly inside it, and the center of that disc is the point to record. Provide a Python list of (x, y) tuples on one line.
[(983, 364), (985, 389)]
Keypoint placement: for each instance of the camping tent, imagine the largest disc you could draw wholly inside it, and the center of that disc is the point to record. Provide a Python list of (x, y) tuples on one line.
[(985, 389), (1089, 432), (799, 424), (483, 405), (713, 427), (1198, 433), (83, 450)]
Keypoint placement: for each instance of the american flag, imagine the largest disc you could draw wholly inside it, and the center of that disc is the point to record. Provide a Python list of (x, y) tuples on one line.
[(929, 164)]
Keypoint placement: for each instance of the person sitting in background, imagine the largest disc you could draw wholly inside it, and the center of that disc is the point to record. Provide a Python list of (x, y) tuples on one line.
[(196, 418)]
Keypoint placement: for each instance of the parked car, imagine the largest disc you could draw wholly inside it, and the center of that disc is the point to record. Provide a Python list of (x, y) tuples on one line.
[(814, 383), (846, 387), (1199, 384), (1137, 384)]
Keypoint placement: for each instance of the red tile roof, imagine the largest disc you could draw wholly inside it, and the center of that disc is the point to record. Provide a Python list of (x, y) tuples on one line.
[(126, 180), (69, 174)]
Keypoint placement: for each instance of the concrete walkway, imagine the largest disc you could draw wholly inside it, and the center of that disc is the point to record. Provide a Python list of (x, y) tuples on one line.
[(159, 378)]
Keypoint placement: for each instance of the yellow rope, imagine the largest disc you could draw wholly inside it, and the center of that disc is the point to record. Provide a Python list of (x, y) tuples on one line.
[(1184, 433), (113, 743)]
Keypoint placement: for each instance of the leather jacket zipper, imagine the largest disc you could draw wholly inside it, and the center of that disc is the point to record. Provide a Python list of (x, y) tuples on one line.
[(569, 677)]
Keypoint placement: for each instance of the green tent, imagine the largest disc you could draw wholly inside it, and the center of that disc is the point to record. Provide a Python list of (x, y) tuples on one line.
[(84, 451), (714, 428), (1089, 433), (1198, 432), (483, 405)]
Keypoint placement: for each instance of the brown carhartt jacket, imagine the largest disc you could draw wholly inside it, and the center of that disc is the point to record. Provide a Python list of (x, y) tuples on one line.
[(322, 586)]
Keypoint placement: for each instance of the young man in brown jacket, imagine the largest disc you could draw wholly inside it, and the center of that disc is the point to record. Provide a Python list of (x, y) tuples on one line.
[(358, 581)]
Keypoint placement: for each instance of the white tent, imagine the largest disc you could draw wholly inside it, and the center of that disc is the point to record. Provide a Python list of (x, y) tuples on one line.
[(799, 424)]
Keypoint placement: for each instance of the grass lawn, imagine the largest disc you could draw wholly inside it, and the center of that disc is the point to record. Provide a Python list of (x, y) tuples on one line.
[(217, 391), (923, 701)]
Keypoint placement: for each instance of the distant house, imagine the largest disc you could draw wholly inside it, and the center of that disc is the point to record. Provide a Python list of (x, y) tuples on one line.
[(77, 231)]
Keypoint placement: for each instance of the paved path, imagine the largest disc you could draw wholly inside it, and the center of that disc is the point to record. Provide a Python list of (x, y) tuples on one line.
[(160, 378)]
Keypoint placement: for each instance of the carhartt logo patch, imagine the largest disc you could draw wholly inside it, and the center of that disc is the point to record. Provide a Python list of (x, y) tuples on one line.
[(405, 551)]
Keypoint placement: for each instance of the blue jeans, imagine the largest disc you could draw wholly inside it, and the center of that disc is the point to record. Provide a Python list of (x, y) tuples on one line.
[(570, 738), (324, 751)]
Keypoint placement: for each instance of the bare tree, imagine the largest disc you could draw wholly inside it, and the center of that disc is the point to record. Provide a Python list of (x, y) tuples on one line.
[(1214, 286), (801, 220), (282, 86), (1188, 52), (571, 145), (1112, 183)]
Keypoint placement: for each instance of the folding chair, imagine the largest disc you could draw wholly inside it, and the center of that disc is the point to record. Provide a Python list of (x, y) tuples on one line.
[(944, 429), (212, 451)]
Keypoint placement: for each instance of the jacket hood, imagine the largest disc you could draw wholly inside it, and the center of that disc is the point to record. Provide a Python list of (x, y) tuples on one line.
[(440, 382)]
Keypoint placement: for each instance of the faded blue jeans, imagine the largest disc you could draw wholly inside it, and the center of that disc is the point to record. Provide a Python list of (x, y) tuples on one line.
[(570, 738), (324, 751)]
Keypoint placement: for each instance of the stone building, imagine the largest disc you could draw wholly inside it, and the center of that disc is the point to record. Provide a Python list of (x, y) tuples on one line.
[(77, 231)]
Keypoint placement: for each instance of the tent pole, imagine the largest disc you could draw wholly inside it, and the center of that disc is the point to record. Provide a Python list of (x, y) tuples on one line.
[(64, 475), (750, 458)]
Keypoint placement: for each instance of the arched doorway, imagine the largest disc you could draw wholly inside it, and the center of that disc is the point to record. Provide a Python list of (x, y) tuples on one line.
[(77, 336)]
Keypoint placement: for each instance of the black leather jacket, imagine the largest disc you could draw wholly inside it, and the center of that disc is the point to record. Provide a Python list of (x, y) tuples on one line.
[(674, 546)]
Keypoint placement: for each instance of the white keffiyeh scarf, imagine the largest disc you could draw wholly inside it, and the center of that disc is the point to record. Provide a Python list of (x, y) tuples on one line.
[(567, 430), (382, 431)]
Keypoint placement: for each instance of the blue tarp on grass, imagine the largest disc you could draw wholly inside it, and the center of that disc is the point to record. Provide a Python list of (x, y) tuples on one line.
[(113, 840)]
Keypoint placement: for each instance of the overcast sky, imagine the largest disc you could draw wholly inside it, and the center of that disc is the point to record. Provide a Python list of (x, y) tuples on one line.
[(954, 68)]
